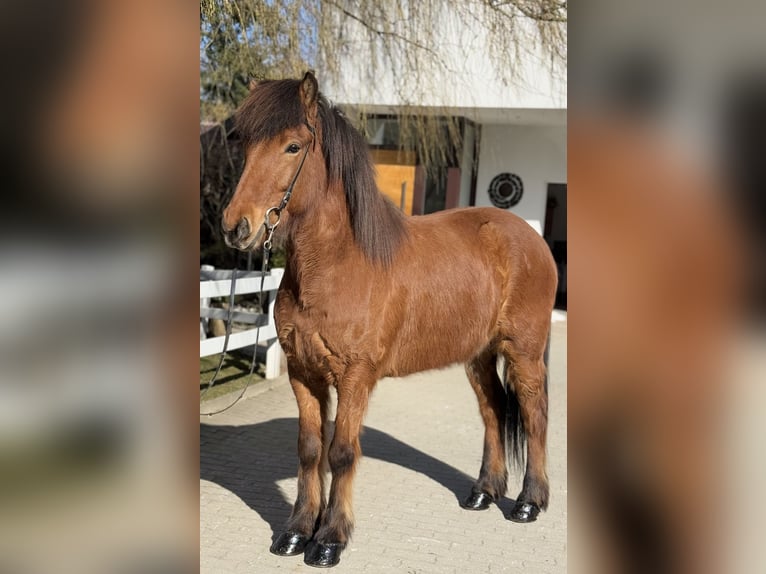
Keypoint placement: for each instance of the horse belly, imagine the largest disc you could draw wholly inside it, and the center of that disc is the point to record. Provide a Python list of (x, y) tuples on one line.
[(434, 337)]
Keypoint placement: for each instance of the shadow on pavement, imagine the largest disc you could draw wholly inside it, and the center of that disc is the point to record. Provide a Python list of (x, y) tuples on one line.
[(249, 460)]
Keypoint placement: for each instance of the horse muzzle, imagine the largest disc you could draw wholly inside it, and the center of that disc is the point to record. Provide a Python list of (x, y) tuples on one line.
[(241, 236)]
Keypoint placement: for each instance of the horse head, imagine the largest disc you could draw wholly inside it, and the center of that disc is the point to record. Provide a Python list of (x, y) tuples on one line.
[(277, 125)]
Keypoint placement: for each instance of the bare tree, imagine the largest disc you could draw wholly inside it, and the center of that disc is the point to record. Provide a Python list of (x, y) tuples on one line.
[(243, 39)]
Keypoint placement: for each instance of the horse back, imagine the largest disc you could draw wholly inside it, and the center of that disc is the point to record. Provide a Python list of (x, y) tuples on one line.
[(463, 276)]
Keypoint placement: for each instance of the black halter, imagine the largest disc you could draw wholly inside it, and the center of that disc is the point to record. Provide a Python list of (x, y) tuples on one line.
[(270, 227)]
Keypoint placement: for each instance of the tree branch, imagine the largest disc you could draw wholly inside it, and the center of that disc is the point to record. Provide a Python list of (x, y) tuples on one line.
[(551, 11), (380, 32)]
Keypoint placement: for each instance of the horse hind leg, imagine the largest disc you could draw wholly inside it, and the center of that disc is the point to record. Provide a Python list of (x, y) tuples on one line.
[(527, 424), (493, 476)]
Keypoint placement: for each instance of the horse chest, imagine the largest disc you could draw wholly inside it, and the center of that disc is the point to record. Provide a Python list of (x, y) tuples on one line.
[(316, 342)]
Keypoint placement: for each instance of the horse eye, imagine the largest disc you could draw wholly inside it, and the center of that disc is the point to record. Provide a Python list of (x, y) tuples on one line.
[(293, 148)]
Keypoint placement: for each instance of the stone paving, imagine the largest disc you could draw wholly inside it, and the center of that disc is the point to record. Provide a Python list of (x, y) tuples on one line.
[(422, 448)]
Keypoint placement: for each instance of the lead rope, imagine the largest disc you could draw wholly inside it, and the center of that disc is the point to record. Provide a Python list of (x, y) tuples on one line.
[(270, 227), (264, 266), (227, 333)]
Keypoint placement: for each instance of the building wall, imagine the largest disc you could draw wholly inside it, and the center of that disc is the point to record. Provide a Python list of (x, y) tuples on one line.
[(465, 76), (537, 154)]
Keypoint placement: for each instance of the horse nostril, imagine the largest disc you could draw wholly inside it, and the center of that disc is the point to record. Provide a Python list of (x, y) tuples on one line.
[(243, 229)]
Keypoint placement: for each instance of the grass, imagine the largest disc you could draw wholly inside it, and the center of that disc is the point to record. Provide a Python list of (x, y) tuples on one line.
[(232, 378)]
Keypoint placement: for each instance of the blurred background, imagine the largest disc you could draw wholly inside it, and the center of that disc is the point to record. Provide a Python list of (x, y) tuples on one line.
[(98, 271), (667, 103)]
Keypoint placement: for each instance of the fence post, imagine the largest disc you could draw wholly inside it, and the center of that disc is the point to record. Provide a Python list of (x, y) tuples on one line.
[(274, 351), (204, 302)]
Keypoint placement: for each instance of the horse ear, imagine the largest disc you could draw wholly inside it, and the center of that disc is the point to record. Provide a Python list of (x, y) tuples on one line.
[(252, 84), (309, 92)]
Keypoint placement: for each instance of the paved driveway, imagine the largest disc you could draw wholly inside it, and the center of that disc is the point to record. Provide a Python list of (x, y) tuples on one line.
[(422, 447)]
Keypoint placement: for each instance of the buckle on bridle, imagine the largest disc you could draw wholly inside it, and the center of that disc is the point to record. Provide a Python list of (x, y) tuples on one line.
[(270, 227), (313, 132)]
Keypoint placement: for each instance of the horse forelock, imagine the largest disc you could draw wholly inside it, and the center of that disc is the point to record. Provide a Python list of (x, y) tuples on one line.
[(272, 107), (275, 106)]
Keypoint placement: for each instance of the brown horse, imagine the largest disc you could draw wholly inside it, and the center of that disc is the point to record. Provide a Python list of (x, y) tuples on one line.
[(369, 292)]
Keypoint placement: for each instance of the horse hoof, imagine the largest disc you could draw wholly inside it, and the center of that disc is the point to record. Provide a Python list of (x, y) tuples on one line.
[(524, 512), (289, 544), (477, 501), (323, 555)]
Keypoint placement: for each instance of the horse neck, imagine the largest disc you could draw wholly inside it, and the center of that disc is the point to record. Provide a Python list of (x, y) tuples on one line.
[(320, 236)]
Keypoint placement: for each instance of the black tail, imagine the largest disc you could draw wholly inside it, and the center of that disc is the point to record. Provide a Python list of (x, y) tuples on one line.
[(516, 436)]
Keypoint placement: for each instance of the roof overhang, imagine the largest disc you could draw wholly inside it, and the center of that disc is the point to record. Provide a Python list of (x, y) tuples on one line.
[(510, 116)]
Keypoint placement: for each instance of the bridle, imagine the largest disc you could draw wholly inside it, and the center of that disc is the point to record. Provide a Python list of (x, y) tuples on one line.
[(270, 227), (267, 244)]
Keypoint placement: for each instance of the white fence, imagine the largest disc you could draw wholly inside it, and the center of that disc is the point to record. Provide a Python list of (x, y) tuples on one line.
[(217, 283)]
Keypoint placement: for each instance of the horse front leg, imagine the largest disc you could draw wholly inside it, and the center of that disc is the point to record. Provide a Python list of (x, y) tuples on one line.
[(337, 522), (312, 408)]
